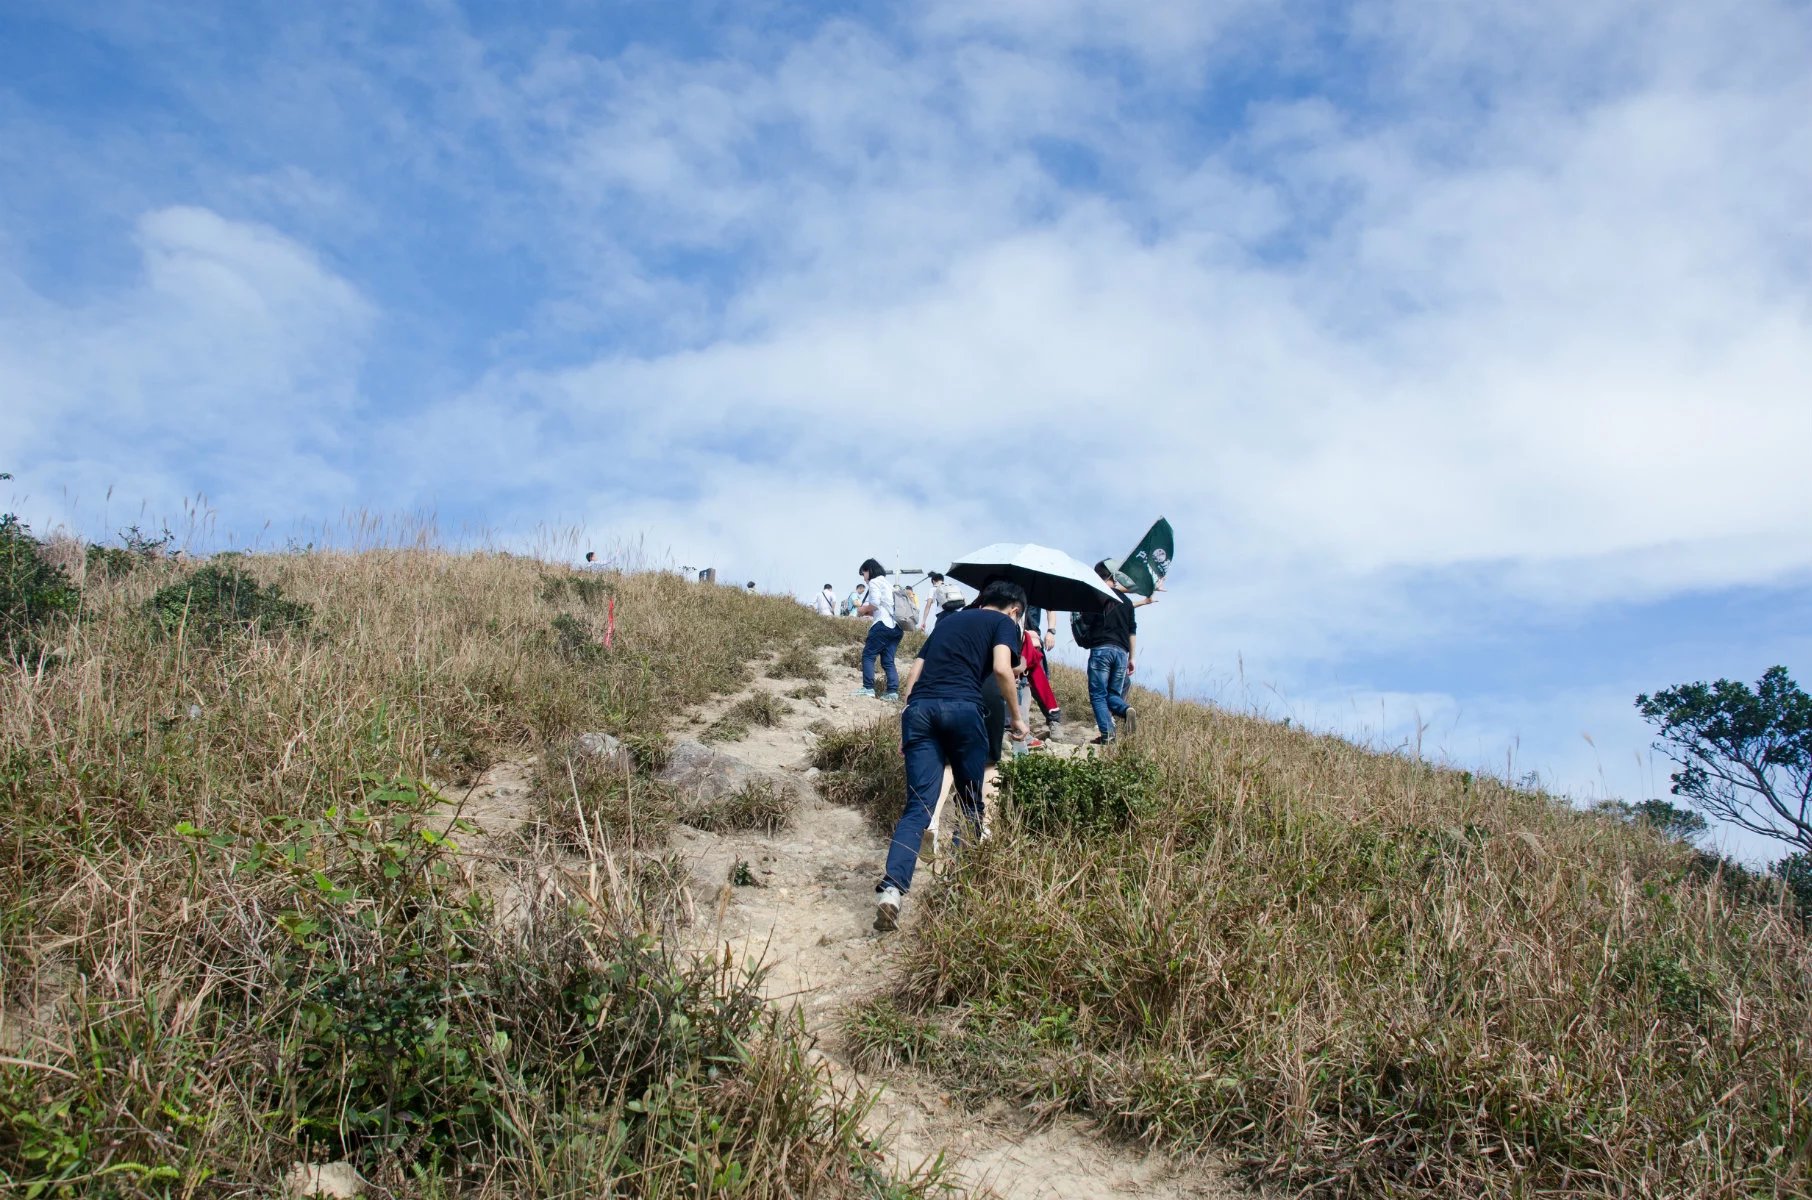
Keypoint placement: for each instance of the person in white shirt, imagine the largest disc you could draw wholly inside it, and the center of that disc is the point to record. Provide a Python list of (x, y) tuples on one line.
[(825, 605), (884, 632), (945, 596)]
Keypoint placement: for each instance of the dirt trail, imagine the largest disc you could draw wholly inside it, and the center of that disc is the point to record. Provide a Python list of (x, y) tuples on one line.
[(810, 922)]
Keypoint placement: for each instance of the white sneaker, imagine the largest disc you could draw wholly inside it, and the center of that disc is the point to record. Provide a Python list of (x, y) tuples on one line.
[(869, 692), (887, 909)]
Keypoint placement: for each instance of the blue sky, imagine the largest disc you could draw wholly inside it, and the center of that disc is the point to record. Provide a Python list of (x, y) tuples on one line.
[(1468, 347)]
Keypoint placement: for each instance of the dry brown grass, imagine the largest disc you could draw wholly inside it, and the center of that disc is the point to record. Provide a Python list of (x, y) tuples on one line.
[(233, 935), (1366, 976)]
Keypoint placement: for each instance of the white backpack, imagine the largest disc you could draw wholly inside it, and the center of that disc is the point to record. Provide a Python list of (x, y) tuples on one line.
[(903, 605)]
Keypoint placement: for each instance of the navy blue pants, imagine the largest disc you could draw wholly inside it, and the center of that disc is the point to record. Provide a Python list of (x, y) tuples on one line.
[(883, 640), (935, 734)]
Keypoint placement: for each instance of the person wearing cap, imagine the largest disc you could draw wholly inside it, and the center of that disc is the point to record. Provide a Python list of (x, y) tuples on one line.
[(1113, 647)]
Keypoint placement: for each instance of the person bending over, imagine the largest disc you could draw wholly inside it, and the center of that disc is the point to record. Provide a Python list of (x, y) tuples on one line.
[(944, 724)]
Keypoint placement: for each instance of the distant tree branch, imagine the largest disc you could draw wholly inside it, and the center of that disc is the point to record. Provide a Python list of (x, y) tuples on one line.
[(1745, 756)]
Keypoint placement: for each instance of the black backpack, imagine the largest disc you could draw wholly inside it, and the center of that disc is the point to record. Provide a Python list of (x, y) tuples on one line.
[(1086, 629)]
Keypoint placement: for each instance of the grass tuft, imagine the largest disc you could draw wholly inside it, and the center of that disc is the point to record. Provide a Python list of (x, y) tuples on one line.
[(862, 769), (797, 661), (763, 709), (762, 804)]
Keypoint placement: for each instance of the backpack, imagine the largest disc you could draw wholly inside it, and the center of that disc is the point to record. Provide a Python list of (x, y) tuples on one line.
[(1086, 629), (905, 608)]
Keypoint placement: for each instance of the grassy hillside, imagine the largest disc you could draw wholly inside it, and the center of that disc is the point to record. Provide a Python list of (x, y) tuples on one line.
[(234, 929), (1364, 975), (236, 932)]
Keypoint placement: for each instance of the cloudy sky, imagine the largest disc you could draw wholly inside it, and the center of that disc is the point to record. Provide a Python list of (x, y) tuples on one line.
[(1467, 346)]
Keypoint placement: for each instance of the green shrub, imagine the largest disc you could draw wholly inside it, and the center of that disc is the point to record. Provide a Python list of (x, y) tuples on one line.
[(1095, 793), (136, 549), (575, 641), (35, 595), (221, 598), (589, 590)]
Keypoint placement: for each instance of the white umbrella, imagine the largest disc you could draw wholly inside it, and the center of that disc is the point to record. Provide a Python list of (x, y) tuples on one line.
[(1051, 578)]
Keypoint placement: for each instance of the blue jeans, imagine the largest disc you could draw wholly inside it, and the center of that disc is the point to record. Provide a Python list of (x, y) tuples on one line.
[(1107, 683), (882, 641), (935, 734)]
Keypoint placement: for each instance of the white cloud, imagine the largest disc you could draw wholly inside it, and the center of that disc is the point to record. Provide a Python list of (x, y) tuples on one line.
[(229, 365), (1406, 322)]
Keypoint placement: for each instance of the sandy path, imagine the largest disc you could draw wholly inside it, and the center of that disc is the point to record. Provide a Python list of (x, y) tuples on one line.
[(810, 922)]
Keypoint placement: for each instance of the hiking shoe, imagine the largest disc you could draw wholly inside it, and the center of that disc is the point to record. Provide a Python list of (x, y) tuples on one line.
[(887, 909), (1101, 739), (869, 692), (1129, 723), (892, 697)]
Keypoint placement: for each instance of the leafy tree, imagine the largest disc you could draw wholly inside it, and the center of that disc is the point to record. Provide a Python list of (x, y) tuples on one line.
[(1745, 756), (1669, 820)]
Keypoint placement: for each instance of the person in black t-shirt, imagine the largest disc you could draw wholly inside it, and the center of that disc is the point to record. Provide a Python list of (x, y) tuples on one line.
[(944, 724), (1113, 646)]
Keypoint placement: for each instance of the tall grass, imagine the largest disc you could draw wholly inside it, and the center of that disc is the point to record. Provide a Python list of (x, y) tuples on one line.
[(235, 927), (1366, 976)]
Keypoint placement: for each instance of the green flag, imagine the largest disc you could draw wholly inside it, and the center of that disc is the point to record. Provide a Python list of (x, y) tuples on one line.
[(1150, 560)]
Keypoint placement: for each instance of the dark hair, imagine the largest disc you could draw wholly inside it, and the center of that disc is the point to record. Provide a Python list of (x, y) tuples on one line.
[(1002, 593), (1102, 570), (871, 568), (936, 577), (827, 587), (590, 555), (751, 583)]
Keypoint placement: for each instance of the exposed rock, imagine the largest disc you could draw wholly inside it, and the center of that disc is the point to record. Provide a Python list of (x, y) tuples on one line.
[(701, 773), (336, 1179), (606, 749)]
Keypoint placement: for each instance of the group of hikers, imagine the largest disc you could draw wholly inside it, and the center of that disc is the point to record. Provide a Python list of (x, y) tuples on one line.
[(962, 694)]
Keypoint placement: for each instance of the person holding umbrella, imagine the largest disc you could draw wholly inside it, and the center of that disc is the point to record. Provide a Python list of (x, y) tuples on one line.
[(944, 725)]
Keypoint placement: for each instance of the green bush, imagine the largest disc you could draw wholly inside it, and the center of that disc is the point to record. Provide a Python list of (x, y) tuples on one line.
[(136, 548), (1091, 794), (412, 1027), (34, 594), (222, 598), (588, 590), (575, 642)]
